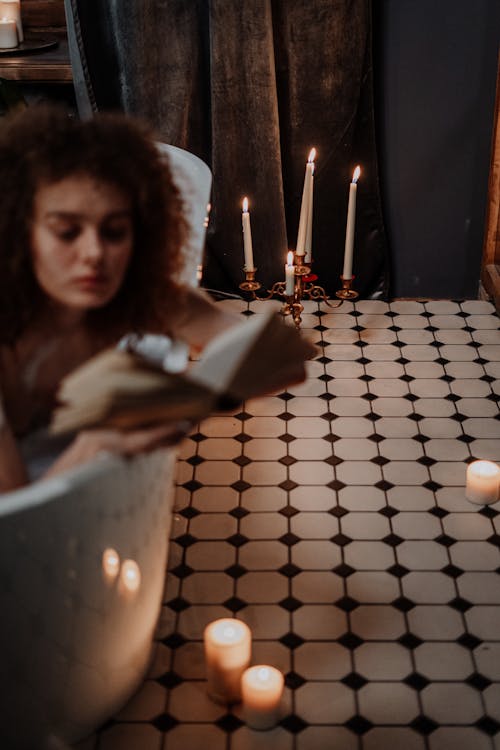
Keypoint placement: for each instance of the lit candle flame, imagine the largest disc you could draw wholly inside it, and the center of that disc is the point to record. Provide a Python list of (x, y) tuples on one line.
[(312, 155), (263, 674), (245, 205), (289, 258), (356, 173)]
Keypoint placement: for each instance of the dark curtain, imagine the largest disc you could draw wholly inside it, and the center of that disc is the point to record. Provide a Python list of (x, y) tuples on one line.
[(250, 87)]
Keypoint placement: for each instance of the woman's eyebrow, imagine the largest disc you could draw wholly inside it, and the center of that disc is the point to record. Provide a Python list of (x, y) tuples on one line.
[(75, 215)]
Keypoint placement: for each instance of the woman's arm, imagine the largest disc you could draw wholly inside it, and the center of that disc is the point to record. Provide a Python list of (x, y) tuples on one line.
[(13, 473)]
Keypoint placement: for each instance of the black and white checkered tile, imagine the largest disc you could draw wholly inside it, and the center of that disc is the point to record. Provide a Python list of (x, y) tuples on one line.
[(332, 519)]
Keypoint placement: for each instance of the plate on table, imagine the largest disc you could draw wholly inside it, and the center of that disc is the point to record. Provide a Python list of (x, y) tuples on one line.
[(30, 46)]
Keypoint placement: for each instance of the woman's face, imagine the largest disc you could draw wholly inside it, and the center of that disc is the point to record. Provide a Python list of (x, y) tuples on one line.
[(81, 241)]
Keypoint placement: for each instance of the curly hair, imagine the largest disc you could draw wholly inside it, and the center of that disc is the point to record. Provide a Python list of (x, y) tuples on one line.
[(43, 145)]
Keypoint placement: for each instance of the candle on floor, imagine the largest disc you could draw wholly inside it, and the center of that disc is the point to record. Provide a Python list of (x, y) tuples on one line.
[(8, 34), (261, 692), (227, 644), (350, 225), (305, 211), (482, 482), (10, 10), (247, 237), (289, 275)]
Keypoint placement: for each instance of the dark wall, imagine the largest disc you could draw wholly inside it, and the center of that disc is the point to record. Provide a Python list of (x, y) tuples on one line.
[(435, 67)]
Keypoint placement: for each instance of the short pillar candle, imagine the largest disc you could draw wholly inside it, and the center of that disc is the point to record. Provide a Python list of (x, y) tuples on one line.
[(227, 644), (261, 692), (482, 482)]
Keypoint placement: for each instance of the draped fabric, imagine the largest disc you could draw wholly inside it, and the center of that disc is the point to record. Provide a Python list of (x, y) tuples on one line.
[(250, 87)]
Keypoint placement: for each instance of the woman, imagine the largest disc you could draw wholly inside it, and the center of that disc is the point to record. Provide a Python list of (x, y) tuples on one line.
[(91, 232)]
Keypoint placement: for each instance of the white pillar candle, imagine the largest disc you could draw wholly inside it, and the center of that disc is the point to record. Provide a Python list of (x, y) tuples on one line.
[(11, 11), (482, 482), (289, 275), (306, 201), (8, 34), (351, 222), (261, 692), (308, 242), (247, 237), (227, 644)]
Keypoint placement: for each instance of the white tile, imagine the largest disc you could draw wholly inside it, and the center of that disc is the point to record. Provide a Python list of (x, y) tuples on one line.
[(322, 661), (268, 449), (487, 657), (340, 336), (397, 738), (388, 387), (490, 336), (492, 700), (324, 702), (310, 448), (487, 449), (392, 407), (478, 307), (347, 387), (420, 353), (388, 703), (268, 406), (347, 352), (448, 473), (470, 388), (264, 472), (213, 526), (442, 307), (310, 387), (475, 556), (492, 369), (219, 448), (374, 321), (379, 336), (443, 661), (451, 703), (351, 427), (439, 427), (265, 427), (319, 621), (311, 472), (349, 407), (189, 661), (365, 525), (402, 449), (192, 621), (355, 448), (467, 525), (217, 472), (372, 587), (482, 428), (458, 738), (429, 388), (264, 498), (405, 472), (415, 336), (371, 306), (316, 555), (464, 369), (216, 499), (410, 321), (382, 661), (459, 352), (369, 555), (447, 450), (190, 702), (220, 427), (326, 738), (359, 472), (484, 621), (433, 407), (273, 653), (314, 525), (385, 369), (416, 526), (263, 525), (453, 337), (309, 406), (435, 622), (184, 736), (207, 588), (263, 555), (266, 620), (381, 352), (428, 587), (410, 498), (345, 369), (395, 427), (210, 555), (378, 622), (361, 498), (480, 587), (262, 587), (443, 319), (418, 555), (303, 427), (338, 319), (317, 587), (313, 498), (407, 307)]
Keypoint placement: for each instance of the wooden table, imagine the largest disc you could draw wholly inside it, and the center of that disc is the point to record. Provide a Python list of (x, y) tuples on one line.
[(48, 66)]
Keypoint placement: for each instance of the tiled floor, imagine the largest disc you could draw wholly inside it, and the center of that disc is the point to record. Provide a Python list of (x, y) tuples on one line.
[(332, 519)]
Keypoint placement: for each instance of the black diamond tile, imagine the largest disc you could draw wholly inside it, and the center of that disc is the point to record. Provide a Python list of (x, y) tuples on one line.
[(237, 540), (320, 328), (406, 378), (366, 378), (192, 485), (285, 396), (291, 640), (294, 724), (363, 361), (324, 360), (170, 680), (290, 603), (198, 437), (350, 641), (415, 417), (354, 680), (185, 540), (393, 540), (242, 460), (442, 361), (294, 680), (235, 571), (247, 313), (409, 640), (488, 725), (243, 416), (369, 397), (289, 539), (423, 725), (488, 512), (242, 438), (289, 570), (445, 540), (325, 378), (470, 641), (426, 461), (338, 511), (333, 460), (416, 681), (487, 379), (234, 604), (384, 485), (388, 511), (326, 396), (287, 438), (380, 460), (240, 486), (403, 604), (288, 511), (410, 397), (239, 512), (494, 539), (452, 571), (229, 723), (403, 361), (164, 722), (178, 604), (336, 485), (174, 640), (331, 438), (286, 416), (447, 378), (341, 540), (288, 485), (478, 681), (398, 571), (359, 725), (466, 439), (376, 438), (343, 570), (421, 438), (346, 604), (452, 397), (434, 486), (373, 417), (287, 460), (439, 512), (195, 460), (182, 571), (189, 512), (458, 417), (395, 329), (460, 604), (328, 416)]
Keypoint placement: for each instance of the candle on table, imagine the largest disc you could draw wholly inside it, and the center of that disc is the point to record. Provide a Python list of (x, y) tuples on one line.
[(351, 221), (11, 10), (482, 482), (227, 645), (261, 692), (289, 275), (305, 211), (247, 237), (308, 241), (8, 34)]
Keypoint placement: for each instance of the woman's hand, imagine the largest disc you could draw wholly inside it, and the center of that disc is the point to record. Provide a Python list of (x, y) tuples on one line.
[(90, 443)]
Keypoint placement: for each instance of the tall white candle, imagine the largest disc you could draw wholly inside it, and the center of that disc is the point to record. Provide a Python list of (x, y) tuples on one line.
[(289, 275), (8, 34), (308, 242), (351, 222), (482, 482), (247, 237), (261, 692), (306, 201), (227, 644), (11, 11)]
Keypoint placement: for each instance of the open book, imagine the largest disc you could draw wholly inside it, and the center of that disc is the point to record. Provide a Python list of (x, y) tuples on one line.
[(122, 389)]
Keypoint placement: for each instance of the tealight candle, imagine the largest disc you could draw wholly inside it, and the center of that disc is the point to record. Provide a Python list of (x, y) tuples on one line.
[(289, 275), (261, 691), (8, 34), (227, 644), (247, 237), (482, 482), (350, 225), (10, 10)]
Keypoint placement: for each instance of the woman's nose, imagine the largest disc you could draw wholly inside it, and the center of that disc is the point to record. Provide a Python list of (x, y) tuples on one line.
[(92, 246)]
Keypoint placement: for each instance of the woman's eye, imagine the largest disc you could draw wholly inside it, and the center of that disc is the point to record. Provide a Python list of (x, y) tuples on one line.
[(67, 234), (115, 234)]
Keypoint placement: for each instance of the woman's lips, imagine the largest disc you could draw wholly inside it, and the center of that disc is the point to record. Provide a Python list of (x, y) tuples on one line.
[(91, 281)]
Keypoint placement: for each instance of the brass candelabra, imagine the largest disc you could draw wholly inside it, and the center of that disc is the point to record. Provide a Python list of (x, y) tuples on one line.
[(304, 287)]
